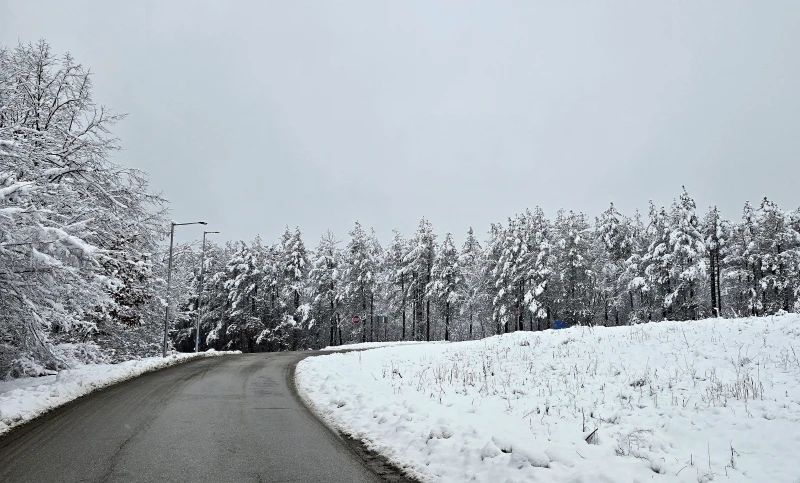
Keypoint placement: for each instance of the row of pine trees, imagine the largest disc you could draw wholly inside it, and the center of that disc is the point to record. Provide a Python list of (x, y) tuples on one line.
[(83, 259), (527, 273)]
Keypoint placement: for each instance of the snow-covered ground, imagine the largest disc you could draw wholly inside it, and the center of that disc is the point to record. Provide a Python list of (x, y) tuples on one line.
[(372, 345), (26, 398), (671, 401)]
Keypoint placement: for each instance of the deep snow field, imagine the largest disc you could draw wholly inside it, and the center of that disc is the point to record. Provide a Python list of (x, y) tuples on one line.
[(712, 400), (23, 399)]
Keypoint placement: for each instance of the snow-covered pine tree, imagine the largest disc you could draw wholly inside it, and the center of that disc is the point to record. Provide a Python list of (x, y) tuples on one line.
[(536, 267), (494, 272), (397, 278), (325, 285), (794, 220), (633, 278), (243, 279), (278, 300), (688, 256), (379, 281), (657, 262), (447, 282), (776, 253), (523, 270), (613, 231), (743, 267), (474, 298), (714, 237), (213, 300), (295, 267), (359, 275), (418, 266), (614, 248), (573, 238)]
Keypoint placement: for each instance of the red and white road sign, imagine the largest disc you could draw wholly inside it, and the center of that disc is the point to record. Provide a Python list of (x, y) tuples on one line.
[(356, 319)]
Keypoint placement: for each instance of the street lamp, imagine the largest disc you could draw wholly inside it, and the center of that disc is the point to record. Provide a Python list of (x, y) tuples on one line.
[(169, 275), (200, 290)]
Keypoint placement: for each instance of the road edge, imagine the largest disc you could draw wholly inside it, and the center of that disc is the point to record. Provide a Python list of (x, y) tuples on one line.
[(374, 461), (9, 429)]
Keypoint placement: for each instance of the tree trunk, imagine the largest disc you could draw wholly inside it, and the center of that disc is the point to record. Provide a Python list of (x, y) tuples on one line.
[(333, 322), (402, 289), (363, 311), (404, 324), (428, 320), (339, 327), (414, 319), (447, 321), (719, 284), (372, 317), (713, 281)]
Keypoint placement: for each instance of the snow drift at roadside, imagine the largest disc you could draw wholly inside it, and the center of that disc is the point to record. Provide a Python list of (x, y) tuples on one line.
[(24, 399)]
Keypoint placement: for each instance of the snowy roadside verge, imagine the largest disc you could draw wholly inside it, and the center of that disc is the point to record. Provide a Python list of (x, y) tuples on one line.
[(372, 345), (24, 399), (669, 401)]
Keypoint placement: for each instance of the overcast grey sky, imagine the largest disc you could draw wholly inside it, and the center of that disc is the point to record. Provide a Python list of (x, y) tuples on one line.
[(255, 115)]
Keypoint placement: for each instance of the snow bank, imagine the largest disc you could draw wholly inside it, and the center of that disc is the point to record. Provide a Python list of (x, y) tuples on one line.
[(373, 345), (22, 400), (669, 402)]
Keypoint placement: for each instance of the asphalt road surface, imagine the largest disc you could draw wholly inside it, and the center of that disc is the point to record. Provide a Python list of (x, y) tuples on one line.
[(231, 418)]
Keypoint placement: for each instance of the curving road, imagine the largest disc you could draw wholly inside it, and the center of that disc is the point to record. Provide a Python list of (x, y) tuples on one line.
[(232, 418)]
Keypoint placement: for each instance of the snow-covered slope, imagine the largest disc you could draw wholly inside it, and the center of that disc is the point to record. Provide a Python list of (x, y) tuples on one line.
[(26, 398), (372, 345), (670, 401)]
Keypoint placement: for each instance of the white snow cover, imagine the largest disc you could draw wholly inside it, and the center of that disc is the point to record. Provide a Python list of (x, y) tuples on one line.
[(22, 400), (372, 345), (669, 401)]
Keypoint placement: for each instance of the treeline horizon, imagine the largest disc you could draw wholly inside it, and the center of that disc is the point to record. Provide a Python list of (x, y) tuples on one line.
[(525, 274), (83, 260)]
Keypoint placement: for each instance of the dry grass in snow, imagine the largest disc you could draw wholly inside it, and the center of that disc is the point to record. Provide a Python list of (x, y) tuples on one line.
[(713, 400)]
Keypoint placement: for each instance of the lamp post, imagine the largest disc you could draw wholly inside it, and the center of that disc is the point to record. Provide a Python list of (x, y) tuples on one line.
[(200, 290), (169, 276)]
